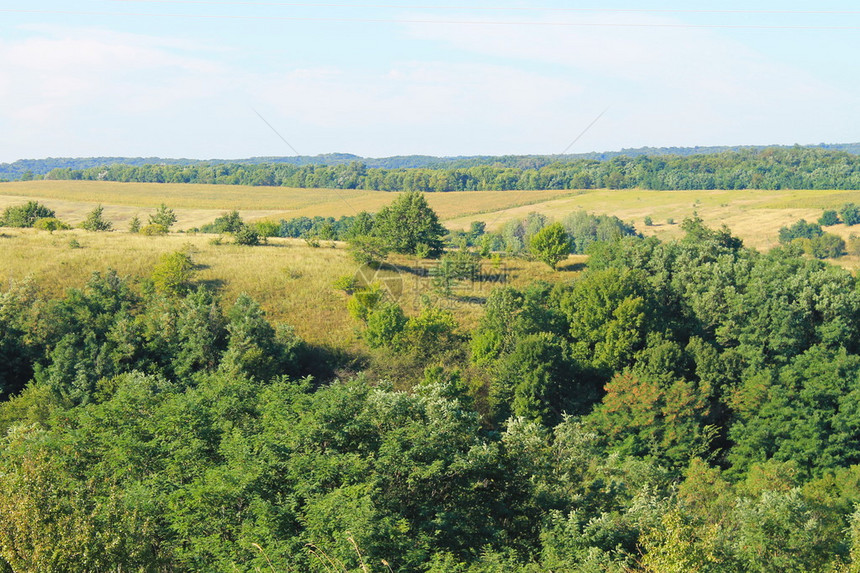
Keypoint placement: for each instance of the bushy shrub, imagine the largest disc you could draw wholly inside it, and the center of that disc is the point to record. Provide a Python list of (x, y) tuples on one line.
[(51, 224), (829, 218), (25, 215)]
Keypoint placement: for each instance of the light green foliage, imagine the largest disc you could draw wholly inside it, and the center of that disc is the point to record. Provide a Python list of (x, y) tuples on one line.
[(134, 225), (51, 224), (152, 230), (365, 301), (385, 324), (551, 245), (368, 249), (173, 272), (585, 229), (95, 221)]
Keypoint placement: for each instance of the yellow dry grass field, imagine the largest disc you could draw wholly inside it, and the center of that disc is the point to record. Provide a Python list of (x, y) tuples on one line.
[(753, 215), (292, 281), (196, 205)]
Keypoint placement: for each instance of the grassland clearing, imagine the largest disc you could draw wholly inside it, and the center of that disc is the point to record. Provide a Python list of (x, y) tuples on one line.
[(292, 281), (753, 215)]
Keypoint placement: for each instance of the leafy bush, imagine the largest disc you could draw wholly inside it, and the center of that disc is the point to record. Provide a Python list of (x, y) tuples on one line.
[(153, 230), (799, 230), (850, 214), (25, 215), (51, 224), (829, 218), (246, 236), (164, 217), (172, 273), (227, 223)]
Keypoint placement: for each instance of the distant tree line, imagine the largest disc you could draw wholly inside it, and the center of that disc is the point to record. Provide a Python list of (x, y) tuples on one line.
[(769, 168)]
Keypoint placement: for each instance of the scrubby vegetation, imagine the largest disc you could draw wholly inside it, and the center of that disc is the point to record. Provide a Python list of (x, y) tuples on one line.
[(678, 406)]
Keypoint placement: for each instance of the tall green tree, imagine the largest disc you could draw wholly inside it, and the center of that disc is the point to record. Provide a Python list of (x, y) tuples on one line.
[(551, 245), (410, 226)]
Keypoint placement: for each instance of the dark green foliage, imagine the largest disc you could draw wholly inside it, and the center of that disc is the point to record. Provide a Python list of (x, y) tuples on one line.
[(826, 246), (763, 168), (227, 223), (25, 215), (850, 214), (247, 236), (95, 221), (828, 218), (410, 227), (800, 230), (680, 406)]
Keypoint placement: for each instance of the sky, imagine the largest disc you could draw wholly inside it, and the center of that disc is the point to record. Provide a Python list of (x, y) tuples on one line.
[(235, 79)]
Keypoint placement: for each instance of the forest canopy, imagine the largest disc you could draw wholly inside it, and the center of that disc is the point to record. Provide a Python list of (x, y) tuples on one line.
[(678, 406)]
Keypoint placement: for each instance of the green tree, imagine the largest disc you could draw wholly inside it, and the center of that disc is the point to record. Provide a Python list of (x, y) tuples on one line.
[(799, 230), (163, 216), (829, 218), (134, 225), (95, 221), (172, 273), (850, 214), (551, 244), (409, 226)]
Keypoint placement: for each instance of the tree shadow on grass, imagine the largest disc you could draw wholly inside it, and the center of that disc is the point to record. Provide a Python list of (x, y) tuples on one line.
[(213, 285), (577, 267)]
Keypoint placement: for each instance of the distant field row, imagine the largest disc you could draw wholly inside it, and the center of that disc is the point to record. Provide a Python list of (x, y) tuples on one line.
[(754, 215)]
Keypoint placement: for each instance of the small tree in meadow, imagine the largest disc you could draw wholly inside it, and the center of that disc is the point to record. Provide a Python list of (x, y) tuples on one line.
[(164, 216), (551, 244), (828, 218), (95, 221), (172, 273)]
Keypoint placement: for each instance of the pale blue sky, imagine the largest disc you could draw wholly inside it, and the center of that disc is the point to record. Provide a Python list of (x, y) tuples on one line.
[(184, 78)]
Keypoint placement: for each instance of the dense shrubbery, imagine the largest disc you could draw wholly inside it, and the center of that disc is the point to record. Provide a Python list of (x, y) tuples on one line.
[(25, 215), (678, 406), (773, 168)]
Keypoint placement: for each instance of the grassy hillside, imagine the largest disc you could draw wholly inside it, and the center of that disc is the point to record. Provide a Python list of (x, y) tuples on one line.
[(292, 281)]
